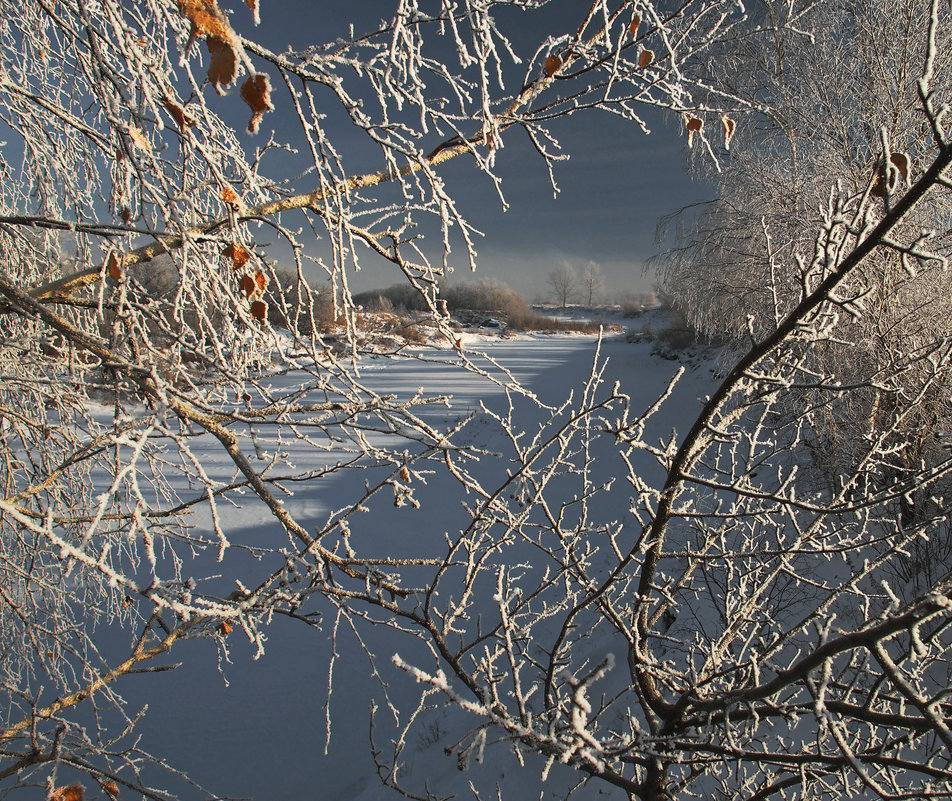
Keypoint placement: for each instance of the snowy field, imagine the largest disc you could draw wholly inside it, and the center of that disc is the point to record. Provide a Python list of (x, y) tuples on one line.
[(257, 728)]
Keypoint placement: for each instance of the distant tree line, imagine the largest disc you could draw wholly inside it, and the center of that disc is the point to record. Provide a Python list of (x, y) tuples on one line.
[(491, 297)]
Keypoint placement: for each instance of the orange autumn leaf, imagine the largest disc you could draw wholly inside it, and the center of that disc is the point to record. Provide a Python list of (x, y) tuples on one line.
[(225, 627), (223, 43), (248, 286), (237, 254), (552, 65), (256, 92), (633, 25), (71, 792), (223, 67), (111, 789), (259, 310), (182, 120), (113, 267), (230, 196), (261, 280), (207, 18), (645, 58), (404, 474)]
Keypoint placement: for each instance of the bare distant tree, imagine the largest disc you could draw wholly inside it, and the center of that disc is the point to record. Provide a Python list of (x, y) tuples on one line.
[(563, 284), (592, 282)]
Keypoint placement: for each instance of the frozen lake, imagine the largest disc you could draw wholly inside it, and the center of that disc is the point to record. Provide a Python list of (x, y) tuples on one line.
[(256, 729)]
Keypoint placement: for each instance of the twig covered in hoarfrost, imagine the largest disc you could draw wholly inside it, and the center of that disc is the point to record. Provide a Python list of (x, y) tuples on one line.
[(162, 375)]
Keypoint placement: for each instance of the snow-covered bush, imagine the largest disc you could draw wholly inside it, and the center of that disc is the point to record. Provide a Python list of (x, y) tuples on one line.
[(744, 261)]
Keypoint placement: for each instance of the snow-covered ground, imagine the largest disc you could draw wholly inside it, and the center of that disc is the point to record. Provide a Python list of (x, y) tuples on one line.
[(257, 728)]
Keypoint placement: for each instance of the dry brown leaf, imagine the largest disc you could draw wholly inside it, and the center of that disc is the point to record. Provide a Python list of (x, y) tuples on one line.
[(71, 792), (111, 789), (256, 92), (223, 43), (248, 286), (552, 65), (259, 310), (261, 281), (693, 125), (138, 139), (728, 126), (113, 267), (645, 58), (901, 162), (225, 627), (633, 25), (253, 5), (182, 120), (223, 67), (207, 18), (404, 474), (237, 254), (881, 182), (230, 196)]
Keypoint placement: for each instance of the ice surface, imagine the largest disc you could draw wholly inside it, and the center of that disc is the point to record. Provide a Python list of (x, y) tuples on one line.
[(262, 735)]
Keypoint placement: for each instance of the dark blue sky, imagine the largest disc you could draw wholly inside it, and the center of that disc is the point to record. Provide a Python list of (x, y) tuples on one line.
[(614, 187)]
